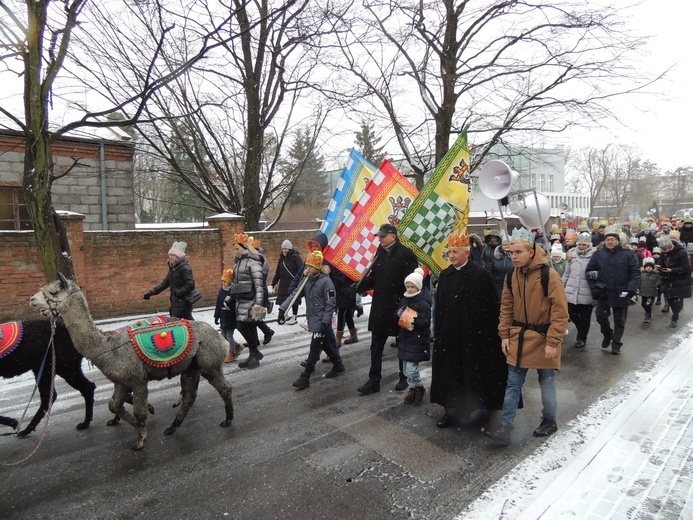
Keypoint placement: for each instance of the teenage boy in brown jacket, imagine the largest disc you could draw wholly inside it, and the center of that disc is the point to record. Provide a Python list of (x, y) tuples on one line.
[(533, 320)]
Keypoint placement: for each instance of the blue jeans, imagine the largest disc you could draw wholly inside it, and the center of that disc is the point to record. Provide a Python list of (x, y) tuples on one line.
[(411, 371), (513, 390), (228, 336)]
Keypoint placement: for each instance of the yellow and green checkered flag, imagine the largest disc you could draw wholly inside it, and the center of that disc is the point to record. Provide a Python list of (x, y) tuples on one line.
[(441, 207)]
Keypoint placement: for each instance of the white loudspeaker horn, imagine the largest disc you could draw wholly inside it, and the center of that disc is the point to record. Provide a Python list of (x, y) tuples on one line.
[(496, 178), (530, 214), (563, 207), (569, 216)]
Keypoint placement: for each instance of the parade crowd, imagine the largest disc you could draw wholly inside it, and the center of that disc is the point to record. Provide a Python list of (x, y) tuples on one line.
[(501, 308)]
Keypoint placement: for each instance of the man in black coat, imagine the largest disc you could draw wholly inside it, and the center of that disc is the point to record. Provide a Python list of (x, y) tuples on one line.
[(469, 368), (393, 263), (614, 277)]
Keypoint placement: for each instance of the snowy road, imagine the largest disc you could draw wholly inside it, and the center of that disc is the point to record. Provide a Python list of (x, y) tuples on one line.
[(326, 452)]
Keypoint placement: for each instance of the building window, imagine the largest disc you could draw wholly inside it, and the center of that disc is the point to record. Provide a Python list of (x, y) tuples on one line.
[(13, 211)]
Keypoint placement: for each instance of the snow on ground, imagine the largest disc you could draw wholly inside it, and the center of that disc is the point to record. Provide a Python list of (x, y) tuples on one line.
[(525, 484)]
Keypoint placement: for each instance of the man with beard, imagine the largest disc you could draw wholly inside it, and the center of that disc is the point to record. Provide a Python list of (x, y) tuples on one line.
[(469, 370)]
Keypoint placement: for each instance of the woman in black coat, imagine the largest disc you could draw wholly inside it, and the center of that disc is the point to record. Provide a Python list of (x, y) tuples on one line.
[(675, 272), (180, 282), (288, 267)]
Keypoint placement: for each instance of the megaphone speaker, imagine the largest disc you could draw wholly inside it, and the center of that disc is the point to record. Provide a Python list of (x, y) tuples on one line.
[(563, 207), (496, 178), (533, 216)]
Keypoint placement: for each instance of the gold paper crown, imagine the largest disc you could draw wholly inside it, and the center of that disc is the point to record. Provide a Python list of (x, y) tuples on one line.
[(227, 276), (314, 259), (455, 240), (675, 233), (522, 235), (241, 238)]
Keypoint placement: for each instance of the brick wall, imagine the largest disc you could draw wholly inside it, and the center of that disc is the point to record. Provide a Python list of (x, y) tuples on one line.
[(115, 268)]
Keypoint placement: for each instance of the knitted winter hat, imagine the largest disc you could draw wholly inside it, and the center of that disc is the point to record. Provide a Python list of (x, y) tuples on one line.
[(648, 261), (557, 250), (314, 259), (287, 245), (227, 276), (415, 278), (177, 249)]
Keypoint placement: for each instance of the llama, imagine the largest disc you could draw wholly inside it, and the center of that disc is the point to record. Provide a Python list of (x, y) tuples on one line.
[(120, 363), (27, 356)]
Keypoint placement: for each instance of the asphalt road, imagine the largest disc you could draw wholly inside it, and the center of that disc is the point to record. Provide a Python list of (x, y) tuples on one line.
[(325, 452)]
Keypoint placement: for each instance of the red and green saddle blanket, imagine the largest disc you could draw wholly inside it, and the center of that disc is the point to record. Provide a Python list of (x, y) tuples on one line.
[(162, 345), (141, 324), (10, 336)]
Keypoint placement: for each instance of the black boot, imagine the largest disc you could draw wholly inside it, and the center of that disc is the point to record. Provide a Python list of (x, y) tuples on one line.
[(303, 381), (337, 368), (253, 359)]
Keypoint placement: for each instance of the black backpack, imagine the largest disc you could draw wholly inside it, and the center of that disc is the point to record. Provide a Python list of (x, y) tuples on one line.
[(544, 279)]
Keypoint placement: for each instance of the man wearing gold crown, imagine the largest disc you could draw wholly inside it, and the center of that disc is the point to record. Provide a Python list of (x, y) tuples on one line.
[(533, 320), (469, 370)]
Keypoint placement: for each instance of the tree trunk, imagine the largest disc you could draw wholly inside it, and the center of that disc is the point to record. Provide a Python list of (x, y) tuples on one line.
[(51, 236)]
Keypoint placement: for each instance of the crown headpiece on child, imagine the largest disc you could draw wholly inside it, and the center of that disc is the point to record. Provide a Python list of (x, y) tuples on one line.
[(460, 240), (522, 235), (314, 259), (241, 238), (675, 233)]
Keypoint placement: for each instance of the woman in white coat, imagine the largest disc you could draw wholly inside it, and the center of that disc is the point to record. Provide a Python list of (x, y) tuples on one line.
[(577, 290)]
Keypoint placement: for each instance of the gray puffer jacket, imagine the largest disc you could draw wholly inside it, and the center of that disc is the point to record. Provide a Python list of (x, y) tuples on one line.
[(248, 268), (321, 300), (577, 289)]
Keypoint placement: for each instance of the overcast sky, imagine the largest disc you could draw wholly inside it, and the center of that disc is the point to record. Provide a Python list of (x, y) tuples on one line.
[(659, 126)]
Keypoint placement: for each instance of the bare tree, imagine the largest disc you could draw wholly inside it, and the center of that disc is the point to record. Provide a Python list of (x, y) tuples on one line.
[(505, 68), (615, 177), (42, 35)]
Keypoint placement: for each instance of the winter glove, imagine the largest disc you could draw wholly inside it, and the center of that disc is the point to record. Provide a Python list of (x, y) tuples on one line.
[(147, 296), (324, 328), (216, 321), (592, 275), (630, 294), (281, 319)]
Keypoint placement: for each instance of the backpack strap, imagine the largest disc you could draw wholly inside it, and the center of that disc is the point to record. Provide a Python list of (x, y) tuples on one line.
[(544, 279)]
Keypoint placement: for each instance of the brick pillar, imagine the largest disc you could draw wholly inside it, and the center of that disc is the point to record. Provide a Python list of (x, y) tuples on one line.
[(74, 225), (228, 225)]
